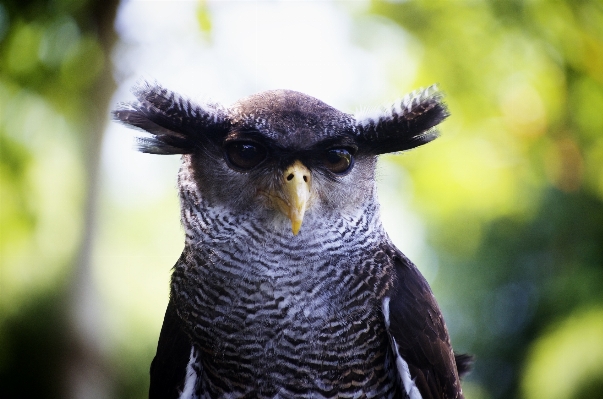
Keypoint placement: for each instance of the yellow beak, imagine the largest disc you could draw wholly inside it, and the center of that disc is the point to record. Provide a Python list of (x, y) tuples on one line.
[(295, 194)]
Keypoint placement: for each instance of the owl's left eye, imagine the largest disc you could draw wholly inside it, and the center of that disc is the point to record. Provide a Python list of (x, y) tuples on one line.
[(339, 160), (245, 155)]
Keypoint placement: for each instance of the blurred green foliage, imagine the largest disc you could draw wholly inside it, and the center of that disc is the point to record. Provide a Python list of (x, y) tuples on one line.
[(513, 192), (55, 84)]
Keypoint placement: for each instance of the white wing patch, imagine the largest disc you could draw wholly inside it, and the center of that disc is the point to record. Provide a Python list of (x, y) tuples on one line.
[(409, 383), (190, 380)]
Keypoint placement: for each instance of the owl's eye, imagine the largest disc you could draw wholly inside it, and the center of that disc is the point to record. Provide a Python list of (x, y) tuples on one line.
[(339, 160), (245, 155)]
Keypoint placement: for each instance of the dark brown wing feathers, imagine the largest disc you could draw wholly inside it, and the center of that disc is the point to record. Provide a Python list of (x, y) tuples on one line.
[(168, 369), (420, 332)]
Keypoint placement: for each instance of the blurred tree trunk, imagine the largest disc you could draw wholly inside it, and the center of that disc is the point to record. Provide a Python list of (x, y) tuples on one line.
[(87, 373), (56, 55)]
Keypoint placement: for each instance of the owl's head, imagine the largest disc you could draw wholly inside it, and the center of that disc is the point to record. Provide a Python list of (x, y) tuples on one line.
[(281, 153)]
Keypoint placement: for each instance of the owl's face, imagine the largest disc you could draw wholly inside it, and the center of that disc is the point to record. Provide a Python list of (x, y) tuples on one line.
[(286, 155), (281, 154)]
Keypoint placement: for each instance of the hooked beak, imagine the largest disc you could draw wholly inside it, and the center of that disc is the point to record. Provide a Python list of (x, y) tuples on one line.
[(293, 198)]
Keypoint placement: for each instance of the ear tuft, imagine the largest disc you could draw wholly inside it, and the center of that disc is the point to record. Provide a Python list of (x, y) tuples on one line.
[(406, 124), (177, 124)]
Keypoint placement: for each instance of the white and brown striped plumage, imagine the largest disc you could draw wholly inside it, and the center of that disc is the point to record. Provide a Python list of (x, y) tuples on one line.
[(263, 308)]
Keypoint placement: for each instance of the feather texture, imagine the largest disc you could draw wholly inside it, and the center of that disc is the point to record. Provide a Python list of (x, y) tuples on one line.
[(168, 369), (177, 125), (420, 335), (335, 311), (406, 124)]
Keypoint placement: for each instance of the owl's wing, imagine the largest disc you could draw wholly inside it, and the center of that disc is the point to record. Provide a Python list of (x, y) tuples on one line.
[(421, 347), (176, 365)]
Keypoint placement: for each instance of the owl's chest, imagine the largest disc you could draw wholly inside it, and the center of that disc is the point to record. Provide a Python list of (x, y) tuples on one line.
[(260, 306), (301, 319), (279, 342)]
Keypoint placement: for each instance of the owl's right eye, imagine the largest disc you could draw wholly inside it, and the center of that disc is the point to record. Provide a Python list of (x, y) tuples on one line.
[(245, 154)]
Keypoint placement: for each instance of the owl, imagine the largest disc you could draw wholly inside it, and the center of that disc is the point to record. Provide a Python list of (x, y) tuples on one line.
[(288, 285)]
